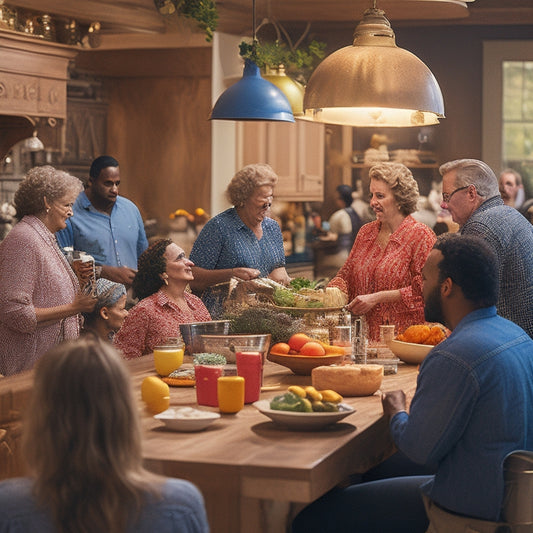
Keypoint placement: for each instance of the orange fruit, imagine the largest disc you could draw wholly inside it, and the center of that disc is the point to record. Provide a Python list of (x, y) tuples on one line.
[(312, 348), (280, 348), (298, 340), (155, 394)]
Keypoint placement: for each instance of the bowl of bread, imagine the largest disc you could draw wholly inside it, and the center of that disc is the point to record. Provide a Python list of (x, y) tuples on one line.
[(413, 345)]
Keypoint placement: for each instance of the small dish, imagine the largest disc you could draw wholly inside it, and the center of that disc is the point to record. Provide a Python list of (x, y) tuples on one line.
[(303, 364), (186, 418), (409, 352), (303, 421)]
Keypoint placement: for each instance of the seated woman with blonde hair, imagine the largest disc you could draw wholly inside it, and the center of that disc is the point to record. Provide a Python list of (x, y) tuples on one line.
[(82, 443)]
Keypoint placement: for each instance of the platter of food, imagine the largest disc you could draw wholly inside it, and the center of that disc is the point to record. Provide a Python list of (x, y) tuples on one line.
[(303, 421), (417, 341), (180, 378), (302, 310), (186, 419)]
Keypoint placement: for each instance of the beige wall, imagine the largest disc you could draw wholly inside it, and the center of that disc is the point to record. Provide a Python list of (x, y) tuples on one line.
[(158, 127)]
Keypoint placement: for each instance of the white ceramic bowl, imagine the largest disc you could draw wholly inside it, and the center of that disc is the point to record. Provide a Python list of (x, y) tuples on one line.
[(182, 419), (409, 352), (303, 421)]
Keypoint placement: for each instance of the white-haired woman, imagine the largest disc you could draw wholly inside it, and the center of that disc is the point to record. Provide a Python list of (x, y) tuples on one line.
[(40, 297), (241, 242)]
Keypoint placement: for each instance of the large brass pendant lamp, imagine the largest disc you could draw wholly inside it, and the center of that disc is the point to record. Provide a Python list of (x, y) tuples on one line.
[(373, 82)]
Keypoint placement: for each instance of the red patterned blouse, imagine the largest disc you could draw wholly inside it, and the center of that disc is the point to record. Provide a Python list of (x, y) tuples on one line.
[(371, 268), (154, 319)]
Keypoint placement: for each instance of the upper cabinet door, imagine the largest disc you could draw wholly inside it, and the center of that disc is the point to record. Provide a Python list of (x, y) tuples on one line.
[(295, 152)]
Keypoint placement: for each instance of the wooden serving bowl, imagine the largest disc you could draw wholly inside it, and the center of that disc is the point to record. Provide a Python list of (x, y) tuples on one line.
[(303, 364)]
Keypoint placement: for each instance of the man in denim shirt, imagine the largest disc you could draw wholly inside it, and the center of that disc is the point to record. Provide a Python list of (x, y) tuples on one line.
[(473, 405)]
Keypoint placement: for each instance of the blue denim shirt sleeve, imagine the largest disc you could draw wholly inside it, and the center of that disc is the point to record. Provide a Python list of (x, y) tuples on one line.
[(473, 405)]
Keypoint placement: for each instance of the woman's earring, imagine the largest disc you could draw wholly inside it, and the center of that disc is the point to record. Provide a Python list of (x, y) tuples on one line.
[(164, 277), (47, 210)]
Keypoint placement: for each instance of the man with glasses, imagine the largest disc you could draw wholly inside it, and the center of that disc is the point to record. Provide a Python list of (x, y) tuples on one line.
[(471, 194)]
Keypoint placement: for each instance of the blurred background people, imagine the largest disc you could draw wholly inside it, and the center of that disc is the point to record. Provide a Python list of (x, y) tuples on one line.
[(332, 250), (470, 193), (511, 188), (107, 226), (86, 472), (160, 283), (40, 297), (109, 312), (241, 242), (382, 275)]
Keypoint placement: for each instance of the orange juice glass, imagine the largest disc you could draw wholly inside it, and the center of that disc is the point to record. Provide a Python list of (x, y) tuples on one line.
[(168, 357)]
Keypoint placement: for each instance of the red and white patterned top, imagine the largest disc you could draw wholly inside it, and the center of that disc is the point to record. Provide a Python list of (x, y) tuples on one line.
[(371, 268), (154, 319)]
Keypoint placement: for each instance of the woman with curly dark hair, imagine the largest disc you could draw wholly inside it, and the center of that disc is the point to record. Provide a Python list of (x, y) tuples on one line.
[(164, 271)]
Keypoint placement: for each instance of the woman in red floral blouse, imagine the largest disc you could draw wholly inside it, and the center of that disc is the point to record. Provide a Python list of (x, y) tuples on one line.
[(382, 275), (164, 272)]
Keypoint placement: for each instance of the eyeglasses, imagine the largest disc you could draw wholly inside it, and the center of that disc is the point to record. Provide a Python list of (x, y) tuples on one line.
[(447, 197)]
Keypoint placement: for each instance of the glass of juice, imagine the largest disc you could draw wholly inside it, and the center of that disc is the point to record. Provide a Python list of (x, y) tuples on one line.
[(250, 367), (168, 356), (207, 369)]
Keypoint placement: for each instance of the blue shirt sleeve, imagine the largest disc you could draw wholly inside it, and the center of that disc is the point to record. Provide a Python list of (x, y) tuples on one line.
[(65, 237)]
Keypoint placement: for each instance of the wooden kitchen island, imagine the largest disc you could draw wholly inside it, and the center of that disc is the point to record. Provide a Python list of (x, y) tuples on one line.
[(253, 474)]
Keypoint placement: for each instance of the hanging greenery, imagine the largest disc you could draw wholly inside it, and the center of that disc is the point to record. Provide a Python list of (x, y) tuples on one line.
[(299, 61), (204, 12)]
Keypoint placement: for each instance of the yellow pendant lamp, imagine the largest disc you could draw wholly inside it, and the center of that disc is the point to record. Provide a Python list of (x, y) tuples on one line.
[(293, 90), (373, 82)]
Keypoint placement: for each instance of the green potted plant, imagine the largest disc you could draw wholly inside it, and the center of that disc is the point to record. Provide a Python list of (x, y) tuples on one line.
[(204, 12)]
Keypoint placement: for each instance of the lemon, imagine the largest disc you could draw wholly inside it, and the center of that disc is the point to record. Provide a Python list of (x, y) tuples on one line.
[(156, 394)]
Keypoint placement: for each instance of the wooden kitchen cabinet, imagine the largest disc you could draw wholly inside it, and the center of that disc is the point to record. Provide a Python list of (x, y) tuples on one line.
[(295, 152)]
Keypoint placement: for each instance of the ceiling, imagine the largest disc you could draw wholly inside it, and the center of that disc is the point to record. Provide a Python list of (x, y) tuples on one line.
[(127, 18)]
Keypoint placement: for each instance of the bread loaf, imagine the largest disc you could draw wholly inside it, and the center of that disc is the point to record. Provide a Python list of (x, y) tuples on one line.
[(348, 380)]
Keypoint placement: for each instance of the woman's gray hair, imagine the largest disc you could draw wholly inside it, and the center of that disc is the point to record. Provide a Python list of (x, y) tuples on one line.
[(249, 178), (401, 182), (473, 172), (41, 182)]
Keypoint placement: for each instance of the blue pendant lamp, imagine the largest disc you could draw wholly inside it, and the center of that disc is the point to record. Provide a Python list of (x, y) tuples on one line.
[(252, 97)]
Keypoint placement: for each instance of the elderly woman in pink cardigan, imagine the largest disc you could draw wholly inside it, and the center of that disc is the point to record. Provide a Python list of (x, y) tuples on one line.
[(40, 297)]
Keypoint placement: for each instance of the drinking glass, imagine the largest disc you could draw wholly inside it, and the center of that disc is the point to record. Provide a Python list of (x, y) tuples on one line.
[(168, 356)]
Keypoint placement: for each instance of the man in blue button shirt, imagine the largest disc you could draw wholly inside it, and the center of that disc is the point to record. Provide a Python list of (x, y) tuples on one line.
[(473, 405), (107, 226)]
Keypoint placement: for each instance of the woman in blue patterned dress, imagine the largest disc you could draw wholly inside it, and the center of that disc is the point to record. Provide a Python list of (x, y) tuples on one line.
[(241, 242)]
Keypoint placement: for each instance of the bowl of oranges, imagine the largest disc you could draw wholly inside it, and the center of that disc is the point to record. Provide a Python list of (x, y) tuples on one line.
[(301, 353)]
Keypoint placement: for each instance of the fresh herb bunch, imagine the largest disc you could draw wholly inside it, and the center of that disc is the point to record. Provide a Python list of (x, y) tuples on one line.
[(209, 359), (252, 320), (203, 11), (273, 54), (302, 283)]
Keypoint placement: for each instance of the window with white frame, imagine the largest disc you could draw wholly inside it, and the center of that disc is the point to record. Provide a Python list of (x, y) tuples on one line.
[(508, 107)]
